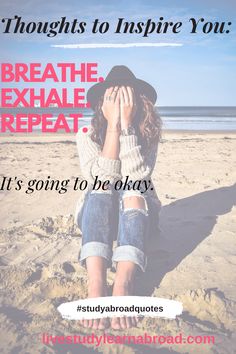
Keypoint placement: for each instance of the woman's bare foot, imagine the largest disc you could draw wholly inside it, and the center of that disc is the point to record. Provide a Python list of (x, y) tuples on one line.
[(97, 287), (124, 286)]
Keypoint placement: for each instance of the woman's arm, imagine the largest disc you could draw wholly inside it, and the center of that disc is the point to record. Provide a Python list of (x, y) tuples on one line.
[(103, 163), (133, 163), (111, 111)]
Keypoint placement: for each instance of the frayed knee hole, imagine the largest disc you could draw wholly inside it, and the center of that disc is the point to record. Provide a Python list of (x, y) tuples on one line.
[(134, 202)]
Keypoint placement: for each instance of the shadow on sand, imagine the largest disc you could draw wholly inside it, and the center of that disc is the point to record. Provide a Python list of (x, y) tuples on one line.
[(185, 223)]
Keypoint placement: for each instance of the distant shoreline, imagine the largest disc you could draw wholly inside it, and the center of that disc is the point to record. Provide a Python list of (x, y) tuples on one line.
[(72, 136)]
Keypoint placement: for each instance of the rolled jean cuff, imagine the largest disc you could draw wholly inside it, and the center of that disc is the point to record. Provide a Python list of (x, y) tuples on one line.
[(130, 253), (95, 249)]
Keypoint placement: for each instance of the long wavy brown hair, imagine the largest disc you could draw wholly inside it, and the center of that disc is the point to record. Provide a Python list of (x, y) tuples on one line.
[(147, 123)]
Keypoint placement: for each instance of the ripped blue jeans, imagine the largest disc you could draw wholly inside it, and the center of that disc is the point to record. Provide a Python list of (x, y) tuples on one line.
[(103, 218)]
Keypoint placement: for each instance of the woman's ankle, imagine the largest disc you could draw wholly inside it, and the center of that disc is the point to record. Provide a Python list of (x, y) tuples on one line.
[(97, 287)]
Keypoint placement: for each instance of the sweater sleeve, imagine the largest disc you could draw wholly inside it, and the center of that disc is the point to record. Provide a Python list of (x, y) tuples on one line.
[(133, 163), (92, 163)]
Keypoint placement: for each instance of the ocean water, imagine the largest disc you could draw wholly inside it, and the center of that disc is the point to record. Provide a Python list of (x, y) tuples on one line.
[(174, 118), (198, 118), (193, 118)]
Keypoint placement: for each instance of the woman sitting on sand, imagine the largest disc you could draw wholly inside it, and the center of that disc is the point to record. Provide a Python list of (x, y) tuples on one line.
[(122, 141)]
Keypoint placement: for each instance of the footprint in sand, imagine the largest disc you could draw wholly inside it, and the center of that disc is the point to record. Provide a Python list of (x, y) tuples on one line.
[(68, 268), (34, 277)]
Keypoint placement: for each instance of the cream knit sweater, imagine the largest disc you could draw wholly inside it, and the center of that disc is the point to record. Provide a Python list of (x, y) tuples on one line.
[(131, 163)]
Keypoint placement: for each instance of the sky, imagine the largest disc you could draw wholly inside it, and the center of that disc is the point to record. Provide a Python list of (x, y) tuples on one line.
[(200, 71)]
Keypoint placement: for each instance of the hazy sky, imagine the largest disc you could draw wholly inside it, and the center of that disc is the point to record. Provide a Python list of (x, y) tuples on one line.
[(200, 72)]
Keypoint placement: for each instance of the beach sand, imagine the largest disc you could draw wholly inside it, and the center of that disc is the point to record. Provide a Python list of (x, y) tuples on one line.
[(193, 260)]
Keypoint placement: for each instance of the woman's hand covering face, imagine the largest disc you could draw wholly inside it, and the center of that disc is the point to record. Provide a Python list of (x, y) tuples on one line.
[(111, 106), (119, 106), (127, 106)]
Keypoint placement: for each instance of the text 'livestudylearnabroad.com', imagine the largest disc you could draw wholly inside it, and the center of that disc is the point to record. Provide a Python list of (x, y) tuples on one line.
[(98, 340)]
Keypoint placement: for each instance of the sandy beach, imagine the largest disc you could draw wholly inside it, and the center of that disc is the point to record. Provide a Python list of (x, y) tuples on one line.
[(193, 260)]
